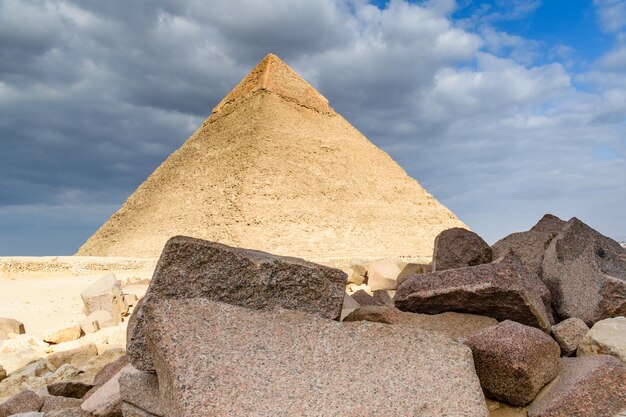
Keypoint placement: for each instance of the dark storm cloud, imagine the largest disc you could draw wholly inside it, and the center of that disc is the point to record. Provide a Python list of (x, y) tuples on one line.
[(95, 94)]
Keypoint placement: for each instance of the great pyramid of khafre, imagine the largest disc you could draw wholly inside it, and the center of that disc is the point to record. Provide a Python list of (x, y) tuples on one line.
[(275, 168)]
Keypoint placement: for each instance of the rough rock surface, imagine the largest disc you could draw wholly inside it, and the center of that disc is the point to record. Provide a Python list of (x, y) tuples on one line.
[(504, 290), (14, 384), (606, 337), (54, 403), (586, 274), (549, 223), (364, 299), (457, 248), (514, 361), (274, 138), (285, 363), (3, 373), (105, 401), (9, 325), (198, 268), (105, 294), (569, 333), (98, 320), (530, 246), (589, 386), (382, 274), (63, 333), (23, 402), (453, 325), (141, 390), (73, 355)]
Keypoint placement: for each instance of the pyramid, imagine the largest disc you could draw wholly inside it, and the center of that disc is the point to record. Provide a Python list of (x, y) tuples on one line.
[(275, 168)]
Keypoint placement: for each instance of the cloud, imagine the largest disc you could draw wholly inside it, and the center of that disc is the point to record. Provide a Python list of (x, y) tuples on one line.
[(94, 95), (611, 14)]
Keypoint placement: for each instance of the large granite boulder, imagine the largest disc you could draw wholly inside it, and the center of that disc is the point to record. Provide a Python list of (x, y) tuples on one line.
[(457, 248), (606, 337), (514, 361), (454, 325), (586, 274), (292, 363), (530, 246), (590, 386), (190, 268), (504, 290)]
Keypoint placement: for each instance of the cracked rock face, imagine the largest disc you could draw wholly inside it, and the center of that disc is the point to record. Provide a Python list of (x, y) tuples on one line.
[(287, 363), (504, 290), (586, 274), (190, 268)]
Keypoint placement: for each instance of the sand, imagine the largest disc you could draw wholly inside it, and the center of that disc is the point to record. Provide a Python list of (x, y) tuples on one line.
[(44, 292)]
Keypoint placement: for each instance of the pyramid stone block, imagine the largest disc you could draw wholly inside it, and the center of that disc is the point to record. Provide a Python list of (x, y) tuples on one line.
[(275, 168)]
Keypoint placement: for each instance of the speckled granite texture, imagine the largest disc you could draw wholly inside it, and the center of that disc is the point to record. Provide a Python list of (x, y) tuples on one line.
[(504, 290), (586, 274), (531, 245), (569, 333), (224, 360), (514, 361), (191, 267), (457, 248), (589, 386), (453, 325)]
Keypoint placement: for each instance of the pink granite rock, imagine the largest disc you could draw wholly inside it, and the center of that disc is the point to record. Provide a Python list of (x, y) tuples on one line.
[(586, 274), (504, 290), (530, 246), (190, 268), (589, 386), (454, 325), (218, 359), (458, 248), (23, 402), (514, 361), (569, 333), (141, 391)]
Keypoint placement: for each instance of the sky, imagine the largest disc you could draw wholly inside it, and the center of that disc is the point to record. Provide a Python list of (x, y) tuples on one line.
[(503, 110)]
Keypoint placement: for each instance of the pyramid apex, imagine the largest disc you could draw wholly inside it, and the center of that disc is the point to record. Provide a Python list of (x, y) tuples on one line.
[(273, 75)]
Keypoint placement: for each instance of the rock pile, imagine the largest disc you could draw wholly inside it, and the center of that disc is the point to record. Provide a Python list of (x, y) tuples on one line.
[(71, 365), (237, 332), (560, 277)]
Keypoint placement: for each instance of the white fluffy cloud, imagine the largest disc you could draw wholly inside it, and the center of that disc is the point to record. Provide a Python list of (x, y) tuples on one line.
[(94, 95)]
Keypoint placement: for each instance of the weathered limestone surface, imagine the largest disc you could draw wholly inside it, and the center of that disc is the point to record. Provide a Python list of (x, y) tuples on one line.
[(287, 145), (586, 274), (589, 386), (9, 325), (606, 337), (504, 290), (458, 247), (191, 267), (514, 361), (286, 363), (105, 294), (382, 274)]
